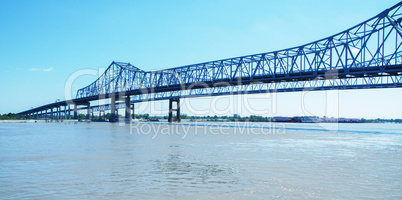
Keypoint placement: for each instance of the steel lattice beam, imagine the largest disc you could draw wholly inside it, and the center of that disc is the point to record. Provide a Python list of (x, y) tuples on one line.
[(371, 48), (368, 55)]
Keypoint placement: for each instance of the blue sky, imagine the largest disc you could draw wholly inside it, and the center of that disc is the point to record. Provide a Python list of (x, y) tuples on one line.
[(42, 43)]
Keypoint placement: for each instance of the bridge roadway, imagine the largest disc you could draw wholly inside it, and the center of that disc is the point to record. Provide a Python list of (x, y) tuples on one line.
[(368, 55)]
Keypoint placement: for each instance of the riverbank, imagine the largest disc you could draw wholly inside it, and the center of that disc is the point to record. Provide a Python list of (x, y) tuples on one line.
[(183, 120), (36, 121)]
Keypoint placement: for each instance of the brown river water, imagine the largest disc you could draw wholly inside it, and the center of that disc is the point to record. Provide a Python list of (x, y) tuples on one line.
[(200, 161)]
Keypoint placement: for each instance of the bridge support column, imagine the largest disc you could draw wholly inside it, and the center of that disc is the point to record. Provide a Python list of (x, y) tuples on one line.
[(128, 110), (75, 111), (104, 115), (69, 112), (133, 113), (51, 113), (113, 109), (88, 110), (177, 109)]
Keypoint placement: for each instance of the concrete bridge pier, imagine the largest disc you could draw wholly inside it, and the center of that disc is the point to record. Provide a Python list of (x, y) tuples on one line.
[(171, 110), (102, 117), (75, 111), (88, 111), (69, 112), (128, 109), (133, 115), (113, 109)]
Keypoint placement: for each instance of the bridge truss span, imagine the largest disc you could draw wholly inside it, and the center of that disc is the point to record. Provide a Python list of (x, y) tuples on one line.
[(372, 48), (368, 55), (288, 86)]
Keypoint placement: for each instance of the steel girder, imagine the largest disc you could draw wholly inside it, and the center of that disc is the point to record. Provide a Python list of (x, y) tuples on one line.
[(368, 55), (296, 86), (370, 49), (318, 84)]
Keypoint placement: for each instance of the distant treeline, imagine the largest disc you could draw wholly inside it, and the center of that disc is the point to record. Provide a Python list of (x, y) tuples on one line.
[(146, 116), (381, 120), (251, 118), (12, 116)]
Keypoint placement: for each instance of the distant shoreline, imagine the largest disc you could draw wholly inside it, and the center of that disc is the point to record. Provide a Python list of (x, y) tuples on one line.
[(35, 121), (183, 120)]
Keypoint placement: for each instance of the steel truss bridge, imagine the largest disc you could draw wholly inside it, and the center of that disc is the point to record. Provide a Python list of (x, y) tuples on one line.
[(368, 55)]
